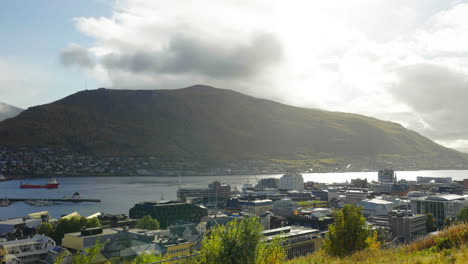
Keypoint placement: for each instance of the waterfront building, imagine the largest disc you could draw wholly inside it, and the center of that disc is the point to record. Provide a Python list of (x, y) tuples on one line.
[(386, 176), (268, 183), (441, 206), (298, 241), (292, 181), (19, 224), (284, 207), (30, 250), (168, 212), (215, 193), (428, 179), (405, 224)]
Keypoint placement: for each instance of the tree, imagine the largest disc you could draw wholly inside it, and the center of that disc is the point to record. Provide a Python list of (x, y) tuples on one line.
[(74, 224), (462, 215), (430, 223), (447, 222), (45, 229), (240, 242), (81, 257), (145, 258), (147, 222), (349, 233)]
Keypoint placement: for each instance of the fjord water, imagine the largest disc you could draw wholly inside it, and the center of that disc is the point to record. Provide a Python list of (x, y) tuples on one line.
[(119, 194)]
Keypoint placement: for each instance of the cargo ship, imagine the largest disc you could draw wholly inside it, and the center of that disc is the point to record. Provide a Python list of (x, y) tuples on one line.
[(51, 184)]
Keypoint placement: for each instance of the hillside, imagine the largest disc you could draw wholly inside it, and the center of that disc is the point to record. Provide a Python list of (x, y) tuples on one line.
[(7, 111), (448, 246), (209, 124)]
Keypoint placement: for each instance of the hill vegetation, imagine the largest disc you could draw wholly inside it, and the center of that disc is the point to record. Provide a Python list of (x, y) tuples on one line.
[(215, 125), (448, 246)]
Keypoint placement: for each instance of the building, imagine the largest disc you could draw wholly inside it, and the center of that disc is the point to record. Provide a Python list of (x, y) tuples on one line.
[(216, 192), (441, 206), (268, 183), (450, 189), (355, 195), (386, 176), (30, 250), (292, 181), (284, 207), (375, 207), (255, 207), (19, 224), (298, 241), (119, 220), (427, 179), (117, 239), (175, 247), (405, 224), (168, 212), (390, 188)]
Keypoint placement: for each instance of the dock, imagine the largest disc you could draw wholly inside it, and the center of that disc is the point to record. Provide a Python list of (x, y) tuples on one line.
[(71, 200)]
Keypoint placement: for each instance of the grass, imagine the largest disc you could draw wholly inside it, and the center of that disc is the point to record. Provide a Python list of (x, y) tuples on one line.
[(449, 246)]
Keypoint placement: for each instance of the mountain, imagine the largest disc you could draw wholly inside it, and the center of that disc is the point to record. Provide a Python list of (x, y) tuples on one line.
[(209, 124), (7, 111)]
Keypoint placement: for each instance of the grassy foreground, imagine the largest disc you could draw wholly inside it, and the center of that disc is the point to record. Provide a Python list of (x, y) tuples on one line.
[(449, 246)]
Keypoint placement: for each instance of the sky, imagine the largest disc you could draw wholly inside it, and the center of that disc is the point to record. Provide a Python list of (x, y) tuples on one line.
[(404, 61)]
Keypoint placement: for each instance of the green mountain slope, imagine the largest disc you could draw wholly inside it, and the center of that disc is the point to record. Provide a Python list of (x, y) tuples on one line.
[(208, 124)]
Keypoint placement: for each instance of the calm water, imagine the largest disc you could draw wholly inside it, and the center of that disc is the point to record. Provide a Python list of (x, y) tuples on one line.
[(119, 194)]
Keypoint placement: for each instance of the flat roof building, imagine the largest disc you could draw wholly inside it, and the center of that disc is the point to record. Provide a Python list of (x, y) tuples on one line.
[(168, 212), (441, 206)]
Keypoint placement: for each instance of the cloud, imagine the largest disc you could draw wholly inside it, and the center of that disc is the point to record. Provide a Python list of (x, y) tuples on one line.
[(74, 54), (187, 54), (403, 61), (439, 94)]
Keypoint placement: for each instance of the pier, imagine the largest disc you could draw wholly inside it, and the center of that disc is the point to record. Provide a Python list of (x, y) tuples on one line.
[(72, 200)]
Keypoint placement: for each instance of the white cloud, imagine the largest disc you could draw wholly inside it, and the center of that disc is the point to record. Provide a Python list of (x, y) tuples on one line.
[(394, 60)]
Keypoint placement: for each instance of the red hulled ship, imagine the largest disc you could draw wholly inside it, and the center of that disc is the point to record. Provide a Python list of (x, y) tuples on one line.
[(51, 184)]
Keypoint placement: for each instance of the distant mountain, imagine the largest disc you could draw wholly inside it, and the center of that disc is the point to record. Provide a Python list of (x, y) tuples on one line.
[(210, 124), (7, 111)]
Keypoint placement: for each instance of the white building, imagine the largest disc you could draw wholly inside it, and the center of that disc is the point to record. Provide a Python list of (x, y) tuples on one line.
[(292, 181), (31, 250), (441, 206), (375, 207)]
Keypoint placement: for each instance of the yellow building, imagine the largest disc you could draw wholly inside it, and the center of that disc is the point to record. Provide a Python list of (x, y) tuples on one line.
[(176, 249)]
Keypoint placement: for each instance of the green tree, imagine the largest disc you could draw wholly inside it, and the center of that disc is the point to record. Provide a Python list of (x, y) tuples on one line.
[(349, 233), (45, 229), (82, 257), (145, 258), (430, 223), (447, 222), (147, 222), (240, 242), (73, 224), (462, 215)]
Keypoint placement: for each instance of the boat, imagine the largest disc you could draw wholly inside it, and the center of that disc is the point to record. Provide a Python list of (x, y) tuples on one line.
[(51, 184), (5, 202), (3, 178)]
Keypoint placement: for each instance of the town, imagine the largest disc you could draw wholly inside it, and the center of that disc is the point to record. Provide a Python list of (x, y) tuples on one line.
[(28, 162), (298, 212)]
